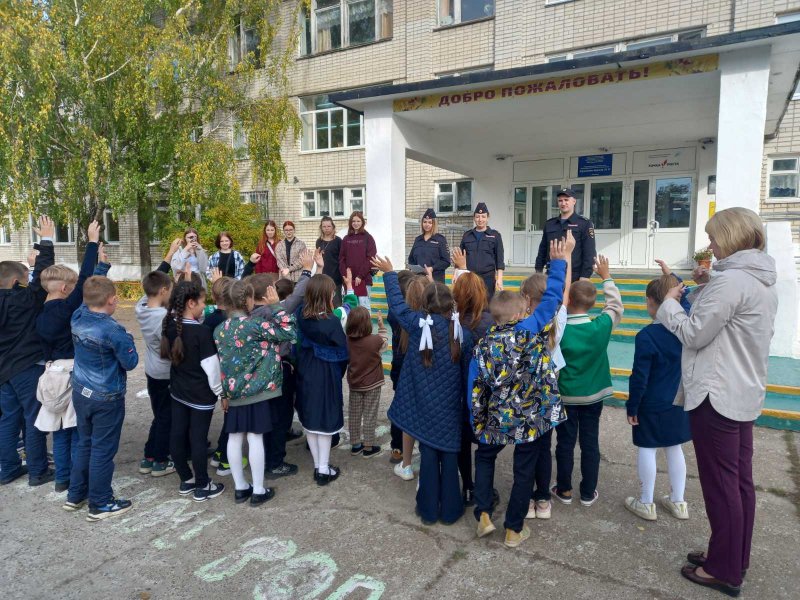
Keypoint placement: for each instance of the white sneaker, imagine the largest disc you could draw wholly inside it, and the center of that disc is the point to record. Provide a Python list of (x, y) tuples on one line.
[(404, 473), (531, 510), (640, 509), (543, 509), (679, 510)]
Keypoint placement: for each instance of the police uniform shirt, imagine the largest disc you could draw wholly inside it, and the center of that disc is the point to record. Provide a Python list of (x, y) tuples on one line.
[(431, 253), (584, 252), (484, 251)]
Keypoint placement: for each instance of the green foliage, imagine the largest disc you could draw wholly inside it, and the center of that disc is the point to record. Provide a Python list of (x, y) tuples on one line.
[(99, 100), (241, 221)]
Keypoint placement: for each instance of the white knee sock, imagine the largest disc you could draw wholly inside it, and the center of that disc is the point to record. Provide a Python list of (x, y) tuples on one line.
[(324, 445), (255, 442), (235, 442), (311, 438), (676, 466), (647, 474)]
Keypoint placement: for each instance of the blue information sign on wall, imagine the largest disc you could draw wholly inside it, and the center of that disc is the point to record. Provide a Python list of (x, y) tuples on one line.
[(595, 165)]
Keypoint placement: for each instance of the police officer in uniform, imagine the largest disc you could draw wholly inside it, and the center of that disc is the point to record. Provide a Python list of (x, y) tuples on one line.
[(430, 247), (582, 230), (484, 248)]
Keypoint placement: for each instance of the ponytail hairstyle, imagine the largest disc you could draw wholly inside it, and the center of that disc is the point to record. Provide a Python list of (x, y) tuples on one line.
[(319, 297), (239, 293), (438, 300), (532, 290), (415, 290), (182, 293)]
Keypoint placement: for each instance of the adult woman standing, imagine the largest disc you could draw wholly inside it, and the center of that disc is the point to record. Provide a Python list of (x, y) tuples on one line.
[(726, 339), (290, 253), (191, 253), (268, 261), (226, 259), (358, 249), (330, 245), (430, 247)]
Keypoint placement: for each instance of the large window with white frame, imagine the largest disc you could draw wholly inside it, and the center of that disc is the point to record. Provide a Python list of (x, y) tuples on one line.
[(333, 202), (5, 236), (454, 196), (333, 24), (327, 126), (452, 12), (244, 43), (636, 44), (239, 141), (784, 176), (260, 198), (110, 227)]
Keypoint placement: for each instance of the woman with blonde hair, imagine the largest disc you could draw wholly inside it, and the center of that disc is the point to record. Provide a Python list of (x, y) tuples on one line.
[(726, 339), (430, 248)]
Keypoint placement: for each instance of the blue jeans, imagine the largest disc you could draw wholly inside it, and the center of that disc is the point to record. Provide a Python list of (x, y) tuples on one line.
[(583, 426), (439, 495), (65, 446), (99, 427), (20, 407)]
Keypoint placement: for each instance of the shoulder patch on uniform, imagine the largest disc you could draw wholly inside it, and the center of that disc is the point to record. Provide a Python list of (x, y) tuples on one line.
[(591, 232)]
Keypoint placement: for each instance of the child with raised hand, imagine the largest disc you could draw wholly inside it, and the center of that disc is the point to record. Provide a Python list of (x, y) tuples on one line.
[(585, 382), (249, 352), (195, 387), (321, 362), (655, 422), (396, 456), (430, 395), (64, 289), (533, 290), (365, 379), (22, 363), (150, 312), (514, 397)]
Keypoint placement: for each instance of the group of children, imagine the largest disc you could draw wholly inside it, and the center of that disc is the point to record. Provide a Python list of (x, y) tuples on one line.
[(465, 371)]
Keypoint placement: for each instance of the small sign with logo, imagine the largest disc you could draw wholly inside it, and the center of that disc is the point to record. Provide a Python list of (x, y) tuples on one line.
[(595, 165), (664, 161)]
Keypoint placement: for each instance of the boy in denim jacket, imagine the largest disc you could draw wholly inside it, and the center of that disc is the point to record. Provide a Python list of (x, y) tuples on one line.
[(104, 352)]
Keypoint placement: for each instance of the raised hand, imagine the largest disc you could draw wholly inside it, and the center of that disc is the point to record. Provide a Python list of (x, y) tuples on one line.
[(93, 232), (255, 257), (32, 257), (307, 258), (101, 253), (187, 271), (348, 280), (701, 275), (173, 248), (569, 242), (46, 229), (675, 292), (459, 259), (382, 264), (558, 250), (601, 266), (215, 274), (318, 258), (379, 316), (664, 268), (428, 273), (284, 272), (271, 296)]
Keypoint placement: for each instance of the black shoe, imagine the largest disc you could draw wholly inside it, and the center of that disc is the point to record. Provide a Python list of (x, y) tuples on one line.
[(259, 499), (357, 449), (117, 506), (326, 478), (469, 497), (45, 477), (293, 435), (283, 470), (374, 451), (62, 486), (336, 439), (242, 495), (316, 473), (698, 559), (187, 488), (212, 490), (424, 521), (690, 573), (495, 498), (23, 470)]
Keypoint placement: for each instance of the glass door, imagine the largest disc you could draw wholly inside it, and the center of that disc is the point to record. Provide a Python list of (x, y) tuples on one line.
[(519, 241), (542, 198), (605, 211), (533, 205), (639, 247), (672, 216)]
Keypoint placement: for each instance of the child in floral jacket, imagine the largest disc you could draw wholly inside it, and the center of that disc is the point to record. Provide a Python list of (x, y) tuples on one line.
[(249, 353)]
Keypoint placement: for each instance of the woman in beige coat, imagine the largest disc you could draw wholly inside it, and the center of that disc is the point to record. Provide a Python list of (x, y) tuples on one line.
[(726, 339), (289, 253)]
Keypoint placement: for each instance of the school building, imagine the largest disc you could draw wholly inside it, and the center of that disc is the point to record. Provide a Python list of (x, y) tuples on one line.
[(656, 112)]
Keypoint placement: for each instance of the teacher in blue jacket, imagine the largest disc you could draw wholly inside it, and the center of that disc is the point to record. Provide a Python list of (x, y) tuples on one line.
[(430, 247)]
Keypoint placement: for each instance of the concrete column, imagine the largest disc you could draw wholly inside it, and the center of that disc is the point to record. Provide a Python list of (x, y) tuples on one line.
[(386, 181), (744, 82), (779, 247)]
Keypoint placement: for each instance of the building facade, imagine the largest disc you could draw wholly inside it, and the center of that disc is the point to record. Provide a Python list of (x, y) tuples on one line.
[(641, 212)]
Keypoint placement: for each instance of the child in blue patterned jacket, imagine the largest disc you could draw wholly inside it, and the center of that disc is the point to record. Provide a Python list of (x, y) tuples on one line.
[(514, 397)]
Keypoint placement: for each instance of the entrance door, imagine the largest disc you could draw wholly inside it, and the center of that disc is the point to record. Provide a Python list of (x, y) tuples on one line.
[(672, 213), (605, 211), (533, 205)]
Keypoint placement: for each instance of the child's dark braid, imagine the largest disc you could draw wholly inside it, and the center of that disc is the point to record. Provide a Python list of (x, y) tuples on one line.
[(183, 293)]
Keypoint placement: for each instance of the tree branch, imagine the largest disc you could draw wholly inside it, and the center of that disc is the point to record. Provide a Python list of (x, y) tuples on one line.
[(114, 72), (183, 8), (86, 58), (162, 180), (77, 13)]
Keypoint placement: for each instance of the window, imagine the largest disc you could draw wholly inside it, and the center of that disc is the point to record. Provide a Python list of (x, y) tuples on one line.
[(244, 44), (196, 131), (240, 151), (462, 11), (336, 202), (5, 236), (63, 233), (159, 220), (327, 126), (691, 34), (787, 17), (110, 227), (260, 198), (333, 24), (454, 196), (783, 177)]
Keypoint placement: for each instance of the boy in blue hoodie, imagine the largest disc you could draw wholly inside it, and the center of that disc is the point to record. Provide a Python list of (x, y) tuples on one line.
[(513, 395)]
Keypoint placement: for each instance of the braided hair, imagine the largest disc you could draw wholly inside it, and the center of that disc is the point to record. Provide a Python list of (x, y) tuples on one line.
[(438, 300), (238, 293), (182, 293)]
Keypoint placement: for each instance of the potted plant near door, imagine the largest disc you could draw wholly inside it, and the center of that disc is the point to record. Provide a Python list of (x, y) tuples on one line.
[(703, 257)]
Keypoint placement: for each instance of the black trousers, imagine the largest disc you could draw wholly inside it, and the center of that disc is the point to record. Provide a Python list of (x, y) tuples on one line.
[(195, 423), (397, 437), (582, 426), (282, 409), (465, 455), (157, 445), (490, 280)]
